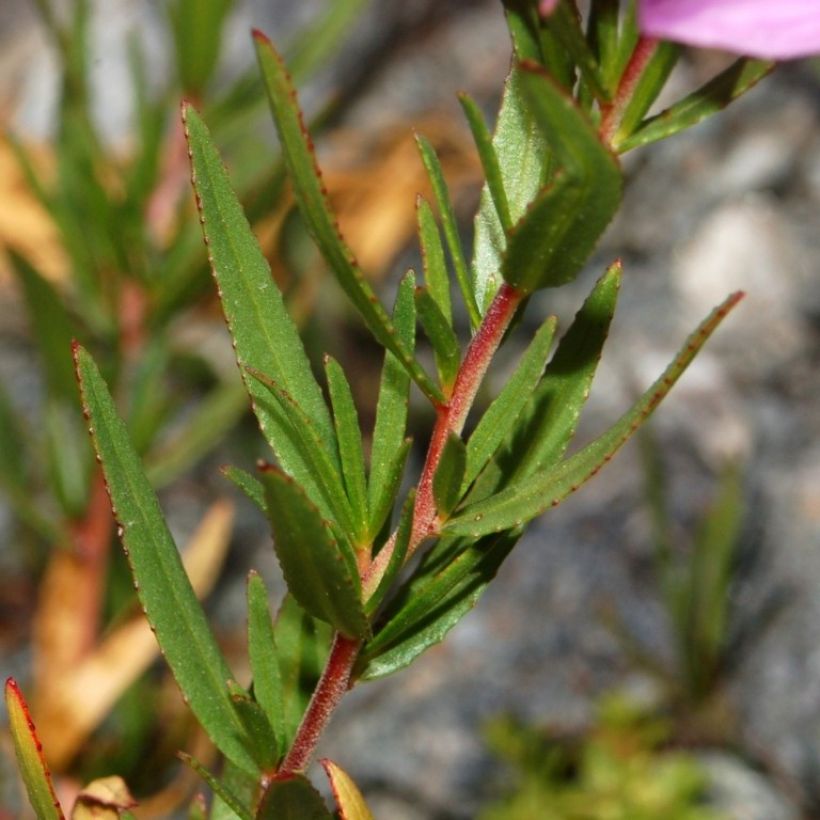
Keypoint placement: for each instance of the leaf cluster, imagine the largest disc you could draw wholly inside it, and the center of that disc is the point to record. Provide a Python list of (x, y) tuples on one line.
[(343, 531)]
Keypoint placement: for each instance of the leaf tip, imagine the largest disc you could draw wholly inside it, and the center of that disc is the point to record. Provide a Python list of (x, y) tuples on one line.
[(260, 37)]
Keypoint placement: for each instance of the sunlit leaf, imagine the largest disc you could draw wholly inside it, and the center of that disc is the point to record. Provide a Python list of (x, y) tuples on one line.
[(448, 221), (559, 230), (348, 797), (164, 590), (714, 96), (449, 475), (320, 571), (528, 498), (30, 759), (432, 253), (267, 676), (297, 150), (502, 415), (263, 333), (349, 436)]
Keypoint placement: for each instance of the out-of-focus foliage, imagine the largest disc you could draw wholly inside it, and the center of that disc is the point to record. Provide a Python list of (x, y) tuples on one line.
[(618, 770)]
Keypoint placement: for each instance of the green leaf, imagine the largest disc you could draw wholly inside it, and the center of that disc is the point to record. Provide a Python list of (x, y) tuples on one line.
[(262, 741), (551, 417), (711, 98), (432, 253), (628, 38), (551, 242), (13, 467), (303, 645), (523, 156), (267, 677), (445, 587), (51, 328), (396, 562), (652, 80), (603, 38), (163, 587), (385, 493), (68, 456), (489, 159), (348, 797), (220, 789), (310, 194), (263, 333), (449, 475), (31, 761), (324, 470), (316, 43), (391, 413), (438, 330), (502, 415), (448, 221), (217, 414), (565, 24), (319, 570), (292, 799), (249, 485), (197, 26), (349, 436), (528, 498)]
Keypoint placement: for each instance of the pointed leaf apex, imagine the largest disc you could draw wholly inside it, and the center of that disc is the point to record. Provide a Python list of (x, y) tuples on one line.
[(260, 36)]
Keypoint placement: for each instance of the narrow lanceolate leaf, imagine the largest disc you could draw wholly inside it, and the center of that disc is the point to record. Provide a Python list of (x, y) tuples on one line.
[(348, 797), (449, 475), (311, 196), (551, 242), (51, 327), (249, 485), (438, 330), (523, 156), (319, 570), (220, 789), (329, 495), (349, 436), (448, 221), (262, 741), (550, 419), (446, 586), (163, 588), (502, 415), (652, 80), (524, 500), (267, 677), (397, 557), (603, 37), (263, 333), (391, 411), (432, 253), (565, 24), (302, 648), (385, 495), (31, 761), (489, 159), (706, 101), (292, 799)]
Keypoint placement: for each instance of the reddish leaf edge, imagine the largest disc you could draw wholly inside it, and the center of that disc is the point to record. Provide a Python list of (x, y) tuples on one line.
[(15, 695)]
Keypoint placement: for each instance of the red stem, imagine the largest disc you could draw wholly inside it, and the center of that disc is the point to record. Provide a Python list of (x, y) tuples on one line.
[(613, 113), (329, 691), (450, 417)]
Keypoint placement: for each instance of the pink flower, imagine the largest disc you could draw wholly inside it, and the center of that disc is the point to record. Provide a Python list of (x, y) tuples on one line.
[(772, 29)]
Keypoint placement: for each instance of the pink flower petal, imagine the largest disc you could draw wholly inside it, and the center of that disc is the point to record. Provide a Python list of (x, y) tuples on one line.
[(772, 29)]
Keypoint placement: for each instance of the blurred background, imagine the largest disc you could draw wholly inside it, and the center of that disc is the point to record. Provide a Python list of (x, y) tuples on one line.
[(650, 648)]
